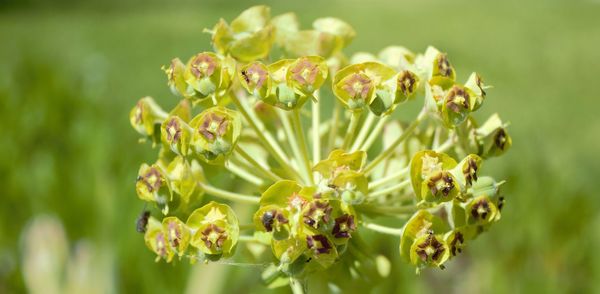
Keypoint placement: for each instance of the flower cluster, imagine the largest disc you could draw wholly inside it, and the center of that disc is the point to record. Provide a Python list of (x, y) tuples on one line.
[(242, 112)]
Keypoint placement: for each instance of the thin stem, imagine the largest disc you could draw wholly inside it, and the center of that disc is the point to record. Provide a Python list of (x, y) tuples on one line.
[(242, 173), (364, 130), (390, 149), (316, 137), (297, 126), (269, 143), (382, 229), (266, 171), (291, 139), (390, 178), (390, 189), (335, 117), (387, 210), (296, 285), (214, 191), (375, 133), (354, 119), (445, 146), (245, 238)]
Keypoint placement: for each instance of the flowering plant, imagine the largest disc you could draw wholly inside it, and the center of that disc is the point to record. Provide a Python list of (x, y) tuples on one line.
[(245, 111)]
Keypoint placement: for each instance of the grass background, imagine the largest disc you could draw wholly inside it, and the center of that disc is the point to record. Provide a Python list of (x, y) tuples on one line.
[(71, 71)]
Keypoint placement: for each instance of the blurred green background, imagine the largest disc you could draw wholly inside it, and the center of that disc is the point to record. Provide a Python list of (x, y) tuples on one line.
[(71, 71)]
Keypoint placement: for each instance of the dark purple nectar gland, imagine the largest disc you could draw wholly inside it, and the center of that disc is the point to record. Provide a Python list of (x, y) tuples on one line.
[(344, 226), (318, 243), (305, 72), (142, 221), (152, 179), (358, 86), (441, 182), (317, 213), (457, 97), (173, 130), (214, 237), (500, 203), (213, 126), (500, 139), (161, 245), (203, 65), (431, 249), (407, 82), (174, 231), (456, 244), (470, 171), (481, 209), (443, 64), (268, 219)]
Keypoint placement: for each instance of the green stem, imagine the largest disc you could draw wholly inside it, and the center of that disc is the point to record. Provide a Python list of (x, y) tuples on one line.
[(242, 173), (364, 130), (296, 285), (375, 133), (335, 117), (214, 191), (316, 137), (354, 119), (382, 229), (387, 210), (297, 126), (261, 132), (392, 148), (244, 238), (389, 178), (291, 139), (390, 189), (266, 171)]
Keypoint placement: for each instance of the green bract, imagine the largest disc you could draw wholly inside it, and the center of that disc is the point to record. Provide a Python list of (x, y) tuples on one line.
[(324, 174), (215, 230), (249, 37), (216, 131)]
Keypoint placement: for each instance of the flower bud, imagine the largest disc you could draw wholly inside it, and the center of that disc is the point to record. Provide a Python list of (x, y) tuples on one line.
[(207, 74), (216, 229), (248, 38), (177, 234), (175, 77), (146, 117), (351, 187), (255, 78), (216, 131), (184, 179), (428, 174)]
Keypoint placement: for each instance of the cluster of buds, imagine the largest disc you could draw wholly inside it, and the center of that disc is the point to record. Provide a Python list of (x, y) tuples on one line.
[(242, 113)]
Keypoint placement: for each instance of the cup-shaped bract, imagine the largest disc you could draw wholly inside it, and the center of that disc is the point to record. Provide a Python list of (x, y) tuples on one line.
[(397, 57), (455, 240), (185, 178), (208, 75), (407, 83), (216, 229), (466, 171), (283, 94), (338, 161), (216, 132), (255, 78), (429, 250), (176, 134), (146, 118), (273, 219), (175, 72), (493, 137), (351, 187), (152, 184), (427, 167), (249, 37), (177, 234), (439, 187), (481, 211), (475, 84), (442, 72), (456, 105), (356, 85), (422, 223), (307, 74), (156, 239)]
